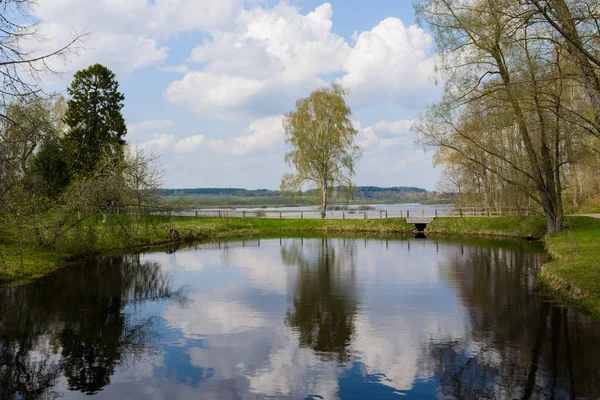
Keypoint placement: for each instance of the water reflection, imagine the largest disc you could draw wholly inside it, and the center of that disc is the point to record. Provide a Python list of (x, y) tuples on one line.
[(324, 297), (73, 324), (519, 345), (299, 318)]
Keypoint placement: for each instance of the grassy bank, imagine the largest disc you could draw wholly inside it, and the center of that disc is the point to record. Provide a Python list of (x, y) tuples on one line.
[(509, 226), (123, 234), (27, 263), (574, 272)]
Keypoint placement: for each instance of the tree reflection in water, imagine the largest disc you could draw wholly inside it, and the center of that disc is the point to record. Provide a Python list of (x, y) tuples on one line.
[(518, 344), (72, 323), (324, 298)]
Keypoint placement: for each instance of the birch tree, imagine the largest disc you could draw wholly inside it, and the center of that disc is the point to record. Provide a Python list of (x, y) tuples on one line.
[(322, 136)]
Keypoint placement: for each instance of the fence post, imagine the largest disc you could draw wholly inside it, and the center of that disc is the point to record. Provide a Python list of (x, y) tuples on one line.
[(386, 214), (343, 214), (243, 214), (423, 212), (258, 214), (365, 214), (407, 213), (219, 213), (301, 215), (196, 214), (280, 215), (460, 212), (436, 212)]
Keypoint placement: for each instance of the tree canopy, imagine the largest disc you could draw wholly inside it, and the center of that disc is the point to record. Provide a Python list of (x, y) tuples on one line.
[(322, 136), (96, 127)]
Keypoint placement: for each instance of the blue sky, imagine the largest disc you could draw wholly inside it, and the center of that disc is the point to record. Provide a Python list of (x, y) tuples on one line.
[(207, 82)]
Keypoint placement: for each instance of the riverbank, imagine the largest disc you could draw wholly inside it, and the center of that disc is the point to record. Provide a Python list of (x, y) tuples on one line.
[(123, 234), (573, 273), (532, 228)]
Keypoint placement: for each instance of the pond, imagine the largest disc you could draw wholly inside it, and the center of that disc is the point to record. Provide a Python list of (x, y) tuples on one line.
[(299, 318)]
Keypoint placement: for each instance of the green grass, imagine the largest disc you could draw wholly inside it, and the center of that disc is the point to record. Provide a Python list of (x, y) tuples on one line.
[(509, 226), (574, 272), (16, 265)]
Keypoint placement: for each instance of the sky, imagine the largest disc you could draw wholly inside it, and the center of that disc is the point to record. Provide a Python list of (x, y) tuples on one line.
[(207, 82)]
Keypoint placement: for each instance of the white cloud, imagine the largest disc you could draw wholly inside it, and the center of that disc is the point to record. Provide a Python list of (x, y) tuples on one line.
[(124, 35), (263, 134), (390, 61), (401, 127), (385, 134), (161, 17), (278, 55), (208, 92), (160, 142), (148, 126), (273, 57), (189, 144)]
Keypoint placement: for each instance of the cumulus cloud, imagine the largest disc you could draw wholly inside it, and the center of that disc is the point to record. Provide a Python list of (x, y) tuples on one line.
[(150, 125), (125, 35), (391, 60), (159, 142), (273, 57), (263, 134), (277, 55), (384, 134), (189, 144)]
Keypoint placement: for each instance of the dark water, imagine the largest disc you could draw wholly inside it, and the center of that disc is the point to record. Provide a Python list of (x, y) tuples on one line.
[(299, 318)]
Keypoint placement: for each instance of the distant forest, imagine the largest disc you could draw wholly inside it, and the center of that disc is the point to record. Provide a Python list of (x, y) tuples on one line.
[(400, 193)]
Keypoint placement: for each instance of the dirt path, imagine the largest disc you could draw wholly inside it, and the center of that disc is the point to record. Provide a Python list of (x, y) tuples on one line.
[(589, 215)]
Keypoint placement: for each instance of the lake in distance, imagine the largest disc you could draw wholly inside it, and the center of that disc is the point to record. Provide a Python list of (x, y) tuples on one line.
[(299, 318)]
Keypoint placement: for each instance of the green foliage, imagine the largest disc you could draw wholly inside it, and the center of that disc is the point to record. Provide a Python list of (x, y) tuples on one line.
[(322, 135), (50, 167), (93, 116)]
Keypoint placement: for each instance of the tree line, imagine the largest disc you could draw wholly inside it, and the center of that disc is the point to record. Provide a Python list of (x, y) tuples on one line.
[(63, 161), (362, 192), (519, 121)]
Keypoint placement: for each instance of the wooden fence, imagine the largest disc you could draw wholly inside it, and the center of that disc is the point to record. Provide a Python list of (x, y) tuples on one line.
[(365, 214)]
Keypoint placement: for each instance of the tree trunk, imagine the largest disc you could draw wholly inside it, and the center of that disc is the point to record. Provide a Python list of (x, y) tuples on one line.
[(550, 199), (554, 220), (324, 200)]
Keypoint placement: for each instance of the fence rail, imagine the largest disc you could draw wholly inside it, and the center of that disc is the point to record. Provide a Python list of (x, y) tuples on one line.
[(365, 214)]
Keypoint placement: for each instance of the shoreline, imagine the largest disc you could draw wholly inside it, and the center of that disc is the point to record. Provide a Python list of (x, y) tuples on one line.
[(571, 274)]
